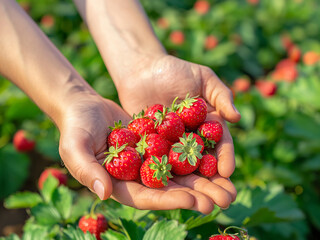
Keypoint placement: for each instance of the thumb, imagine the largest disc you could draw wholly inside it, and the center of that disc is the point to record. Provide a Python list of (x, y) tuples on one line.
[(81, 162), (220, 98)]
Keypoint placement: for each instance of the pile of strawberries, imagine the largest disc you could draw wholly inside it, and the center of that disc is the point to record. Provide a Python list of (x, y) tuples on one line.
[(161, 142)]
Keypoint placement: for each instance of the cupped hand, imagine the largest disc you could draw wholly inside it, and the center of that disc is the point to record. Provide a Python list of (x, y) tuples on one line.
[(83, 130)]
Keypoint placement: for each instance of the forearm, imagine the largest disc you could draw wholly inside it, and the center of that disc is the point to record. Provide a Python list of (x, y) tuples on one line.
[(122, 33), (34, 64)]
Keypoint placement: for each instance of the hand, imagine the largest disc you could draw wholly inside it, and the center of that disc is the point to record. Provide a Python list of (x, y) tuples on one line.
[(159, 80), (83, 131)]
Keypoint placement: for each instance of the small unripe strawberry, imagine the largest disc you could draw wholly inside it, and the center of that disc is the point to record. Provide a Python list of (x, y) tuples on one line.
[(310, 58), (155, 172), (120, 136), (56, 173), (211, 132), (123, 162), (208, 165), (177, 37), (201, 6), (23, 142), (94, 223), (47, 21), (210, 42), (163, 23), (266, 88), (151, 111), (241, 85), (192, 111)]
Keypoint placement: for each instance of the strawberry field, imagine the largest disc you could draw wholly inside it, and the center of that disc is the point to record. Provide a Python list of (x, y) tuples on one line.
[(266, 51)]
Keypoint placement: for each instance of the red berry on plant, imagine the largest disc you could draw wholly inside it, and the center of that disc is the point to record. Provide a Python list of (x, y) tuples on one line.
[(120, 136), (155, 172), (266, 88), (185, 155), (141, 125), (169, 125), (23, 142), (93, 223), (241, 85), (192, 111), (56, 173), (177, 37), (201, 7), (123, 162), (163, 23), (153, 145), (211, 132), (294, 53), (210, 42), (208, 165), (310, 58)]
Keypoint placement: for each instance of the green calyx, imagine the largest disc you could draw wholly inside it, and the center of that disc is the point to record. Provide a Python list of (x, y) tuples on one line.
[(113, 152), (160, 116), (142, 145), (117, 125), (242, 233), (186, 103), (207, 143), (162, 169), (189, 149), (139, 115)]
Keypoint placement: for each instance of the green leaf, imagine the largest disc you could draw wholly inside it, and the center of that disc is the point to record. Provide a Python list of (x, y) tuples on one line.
[(62, 200), (71, 233), (36, 234), (50, 184), (21, 108), (112, 235), (22, 200), (81, 206), (163, 229), (132, 230), (198, 219), (14, 170), (10, 237), (46, 214)]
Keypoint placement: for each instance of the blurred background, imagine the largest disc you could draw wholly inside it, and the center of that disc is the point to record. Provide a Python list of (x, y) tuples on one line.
[(266, 51)]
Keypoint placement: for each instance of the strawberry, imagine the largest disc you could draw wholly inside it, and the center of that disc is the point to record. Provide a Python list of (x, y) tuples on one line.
[(93, 223), (241, 85), (123, 162), (120, 136), (23, 142), (141, 125), (57, 173), (153, 145), (201, 6), (150, 112), (294, 53), (211, 132), (310, 58), (169, 125), (163, 23), (266, 88), (155, 172), (210, 42), (192, 111), (177, 37), (226, 236), (185, 156), (208, 165)]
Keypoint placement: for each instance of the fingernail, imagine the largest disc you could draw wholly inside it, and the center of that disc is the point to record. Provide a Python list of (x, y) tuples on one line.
[(99, 189), (235, 109)]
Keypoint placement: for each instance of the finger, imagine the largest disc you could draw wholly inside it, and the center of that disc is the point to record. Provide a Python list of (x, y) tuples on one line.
[(219, 196), (226, 184), (224, 149), (219, 96), (81, 162), (136, 195)]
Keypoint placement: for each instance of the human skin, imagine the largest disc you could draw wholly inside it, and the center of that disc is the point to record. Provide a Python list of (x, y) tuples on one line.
[(33, 63), (144, 74)]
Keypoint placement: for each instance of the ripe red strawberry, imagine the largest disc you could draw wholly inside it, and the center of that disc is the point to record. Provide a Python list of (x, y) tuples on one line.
[(155, 172), (93, 223), (151, 111), (201, 7), (208, 165), (153, 145), (226, 236), (141, 125), (185, 156), (192, 111), (266, 88), (177, 37), (310, 58), (57, 173), (169, 125), (120, 135), (123, 163), (294, 53), (241, 85), (211, 132), (210, 42), (23, 142)]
